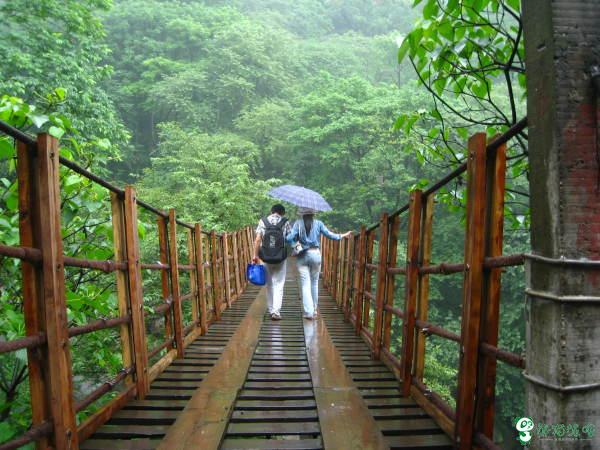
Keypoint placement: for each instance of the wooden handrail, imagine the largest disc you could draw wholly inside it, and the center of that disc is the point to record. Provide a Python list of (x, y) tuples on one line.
[(40, 252), (482, 266)]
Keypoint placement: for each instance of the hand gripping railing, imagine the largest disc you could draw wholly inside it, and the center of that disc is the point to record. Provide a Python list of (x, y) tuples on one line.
[(349, 270), (214, 264)]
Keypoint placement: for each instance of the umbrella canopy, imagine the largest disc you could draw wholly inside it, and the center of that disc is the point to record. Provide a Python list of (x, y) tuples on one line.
[(300, 196)]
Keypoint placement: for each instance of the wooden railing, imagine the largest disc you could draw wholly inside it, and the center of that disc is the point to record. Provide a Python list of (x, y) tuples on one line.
[(349, 271), (215, 264)]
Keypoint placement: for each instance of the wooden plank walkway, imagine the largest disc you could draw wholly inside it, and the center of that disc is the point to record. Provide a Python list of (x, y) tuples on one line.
[(402, 422), (254, 383), (142, 424)]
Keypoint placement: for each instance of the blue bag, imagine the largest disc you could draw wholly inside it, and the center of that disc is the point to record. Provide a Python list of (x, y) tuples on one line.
[(255, 273)]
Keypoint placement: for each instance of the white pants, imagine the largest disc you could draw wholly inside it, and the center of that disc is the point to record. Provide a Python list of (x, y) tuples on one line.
[(275, 283), (309, 266)]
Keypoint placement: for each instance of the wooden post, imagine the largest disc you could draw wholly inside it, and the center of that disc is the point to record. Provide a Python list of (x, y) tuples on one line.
[(341, 272), (490, 308), (120, 248), (368, 279), (136, 297), (471, 310), (33, 300), (226, 270), (174, 264), (163, 240), (381, 285), (194, 285), (216, 289), (410, 301), (247, 256), (349, 279), (52, 300), (423, 295), (334, 248), (359, 278), (390, 281), (236, 264), (200, 281)]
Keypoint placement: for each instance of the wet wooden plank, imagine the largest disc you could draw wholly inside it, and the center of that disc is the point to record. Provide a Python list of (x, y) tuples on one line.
[(435, 441), (266, 416), (130, 431), (408, 425), (159, 417), (281, 376), (344, 417), (272, 428), (115, 444), (275, 404), (287, 394), (345, 420), (203, 421), (280, 369), (156, 404), (415, 413), (283, 385), (394, 401), (272, 444)]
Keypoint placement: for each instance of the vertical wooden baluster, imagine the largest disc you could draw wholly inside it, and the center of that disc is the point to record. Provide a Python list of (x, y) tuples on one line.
[(334, 268), (341, 272), (57, 366), (360, 279), (351, 304), (495, 186), (473, 282), (174, 263), (368, 279), (350, 279), (381, 285), (247, 256), (423, 296), (226, 269), (328, 264), (120, 248), (163, 240), (207, 277), (136, 296), (410, 303), (194, 286), (390, 281), (33, 299), (236, 263), (200, 280), (216, 289)]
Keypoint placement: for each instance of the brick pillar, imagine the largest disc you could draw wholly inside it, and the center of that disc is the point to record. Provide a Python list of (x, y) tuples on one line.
[(562, 42)]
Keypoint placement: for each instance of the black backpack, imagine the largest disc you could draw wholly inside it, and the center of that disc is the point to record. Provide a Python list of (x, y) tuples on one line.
[(273, 249)]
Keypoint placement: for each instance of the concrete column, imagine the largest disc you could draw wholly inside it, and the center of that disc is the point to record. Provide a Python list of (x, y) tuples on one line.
[(562, 42)]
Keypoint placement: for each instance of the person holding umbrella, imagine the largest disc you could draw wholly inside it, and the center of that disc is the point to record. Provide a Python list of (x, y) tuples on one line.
[(307, 232), (306, 235)]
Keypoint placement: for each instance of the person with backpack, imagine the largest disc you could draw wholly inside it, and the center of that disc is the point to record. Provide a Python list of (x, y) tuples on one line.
[(270, 247), (307, 231)]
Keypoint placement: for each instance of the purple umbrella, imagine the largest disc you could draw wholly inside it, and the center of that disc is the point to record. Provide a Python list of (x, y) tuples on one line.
[(300, 196)]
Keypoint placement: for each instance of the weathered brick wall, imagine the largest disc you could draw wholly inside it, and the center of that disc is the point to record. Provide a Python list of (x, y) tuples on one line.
[(563, 339)]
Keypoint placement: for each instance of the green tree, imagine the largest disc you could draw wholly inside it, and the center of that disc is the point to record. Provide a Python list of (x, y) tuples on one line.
[(469, 56), (49, 44), (207, 178)]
